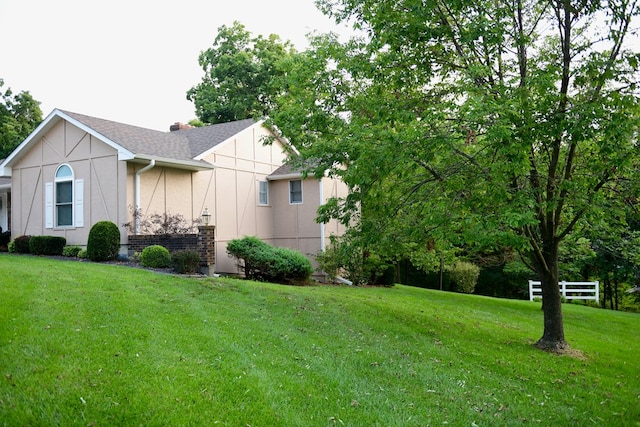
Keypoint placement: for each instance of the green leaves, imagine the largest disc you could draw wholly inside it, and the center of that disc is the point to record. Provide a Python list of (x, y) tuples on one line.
[(239, 75), (19, 116)]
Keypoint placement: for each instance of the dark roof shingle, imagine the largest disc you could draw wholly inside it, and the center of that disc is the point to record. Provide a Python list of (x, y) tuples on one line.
[(185, 144)]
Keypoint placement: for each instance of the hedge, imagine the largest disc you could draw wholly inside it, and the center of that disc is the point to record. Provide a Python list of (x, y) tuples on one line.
[(262, 261), (47, 245)]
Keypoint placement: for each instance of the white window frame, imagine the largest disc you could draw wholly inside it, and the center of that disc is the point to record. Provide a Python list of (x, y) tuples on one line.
[(77, 200), (291, 192), (263, 193), (56, 203)]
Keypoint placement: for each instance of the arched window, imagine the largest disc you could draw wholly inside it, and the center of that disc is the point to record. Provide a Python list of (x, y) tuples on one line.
[(64, 196)]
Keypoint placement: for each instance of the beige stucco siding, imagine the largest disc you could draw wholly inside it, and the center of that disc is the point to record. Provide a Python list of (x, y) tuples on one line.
[(333, 188), (93, 162), (162, 190), (240, 163), (295, 225)]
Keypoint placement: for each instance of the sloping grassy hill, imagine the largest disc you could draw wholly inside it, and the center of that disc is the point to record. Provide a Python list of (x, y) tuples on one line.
[(101, 345)]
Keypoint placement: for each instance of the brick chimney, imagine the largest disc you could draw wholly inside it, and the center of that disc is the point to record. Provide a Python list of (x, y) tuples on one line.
[(180, 126)]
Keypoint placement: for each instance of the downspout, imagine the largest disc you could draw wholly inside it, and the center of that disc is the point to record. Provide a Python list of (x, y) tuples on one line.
[(136, 216), (322, 242)]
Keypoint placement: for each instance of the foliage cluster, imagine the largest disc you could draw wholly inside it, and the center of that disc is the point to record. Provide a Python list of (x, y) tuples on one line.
[(21, 244), (185, 262), (104, 241), (5, 238), (71, 251), (160, 223), (155, 256), (19, 116), (47, 245), (261, 261), (346, 258), (240, 75), (493, 124), (464, 276)]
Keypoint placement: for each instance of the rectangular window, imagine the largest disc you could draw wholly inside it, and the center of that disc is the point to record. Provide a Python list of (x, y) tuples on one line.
[(64, 204), (263, 193), (295, 192)]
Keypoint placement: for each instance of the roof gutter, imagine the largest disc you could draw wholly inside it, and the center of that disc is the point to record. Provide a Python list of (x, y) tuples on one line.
[(136, 213)]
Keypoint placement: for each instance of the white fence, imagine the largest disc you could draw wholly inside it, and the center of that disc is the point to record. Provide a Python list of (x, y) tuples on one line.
[(569, 290)]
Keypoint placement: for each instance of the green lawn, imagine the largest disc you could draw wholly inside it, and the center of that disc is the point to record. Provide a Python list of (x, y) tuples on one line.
[(101, 345)]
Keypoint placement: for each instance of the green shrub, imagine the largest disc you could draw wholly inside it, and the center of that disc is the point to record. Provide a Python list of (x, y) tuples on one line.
[(11, 246), (155, 256), (104, 241), (22, 244), (464, 276), (47, 245), (71, 251), (347, 258), (5, 238), (82, 254), (262, 261), (185, 262)]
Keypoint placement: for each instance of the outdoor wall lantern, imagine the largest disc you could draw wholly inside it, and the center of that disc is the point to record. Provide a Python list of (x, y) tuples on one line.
[(206, 216)]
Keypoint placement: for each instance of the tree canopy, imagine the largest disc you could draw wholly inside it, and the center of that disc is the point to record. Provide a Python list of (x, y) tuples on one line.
[(19, 116), (239, 70), (513, 122)]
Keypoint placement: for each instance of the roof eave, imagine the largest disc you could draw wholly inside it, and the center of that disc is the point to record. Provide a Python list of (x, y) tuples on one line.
[(192, 165), (296, 175), (49, 122)]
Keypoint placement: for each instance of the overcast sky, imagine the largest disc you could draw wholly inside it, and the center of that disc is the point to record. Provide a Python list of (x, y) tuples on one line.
[(130, 61)]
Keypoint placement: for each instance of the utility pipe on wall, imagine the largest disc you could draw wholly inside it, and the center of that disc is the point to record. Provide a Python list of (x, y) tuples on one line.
[(322, 242), (136, 190)]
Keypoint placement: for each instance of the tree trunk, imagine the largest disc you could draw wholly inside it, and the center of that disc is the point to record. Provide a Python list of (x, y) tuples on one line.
[(547, 268), (605, 289)]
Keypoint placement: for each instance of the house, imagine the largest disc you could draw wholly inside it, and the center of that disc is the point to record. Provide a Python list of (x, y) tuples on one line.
[(74, 170)]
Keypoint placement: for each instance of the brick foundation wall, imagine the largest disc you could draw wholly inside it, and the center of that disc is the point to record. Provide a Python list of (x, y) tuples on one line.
[(203, 243), (173, 242)]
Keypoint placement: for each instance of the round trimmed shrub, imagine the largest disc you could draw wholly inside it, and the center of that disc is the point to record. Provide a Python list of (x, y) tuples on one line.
[(464, 276), (104, 241), (155, 256)]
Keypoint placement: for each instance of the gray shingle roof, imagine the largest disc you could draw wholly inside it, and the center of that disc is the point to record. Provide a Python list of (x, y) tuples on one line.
[(204, 138), (285, 169), (185, 144)]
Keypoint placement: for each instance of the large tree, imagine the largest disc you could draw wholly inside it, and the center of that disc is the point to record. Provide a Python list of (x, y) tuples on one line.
[(19, 116), (238, 73), (508, 122)]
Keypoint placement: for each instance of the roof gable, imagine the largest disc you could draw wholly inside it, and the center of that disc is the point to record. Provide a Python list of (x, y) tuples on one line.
[(182, 148)]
